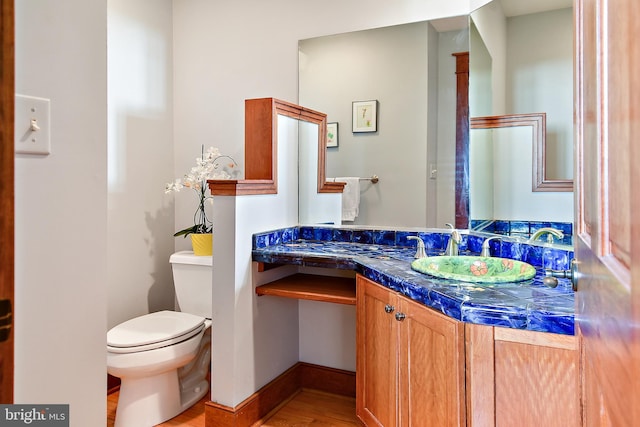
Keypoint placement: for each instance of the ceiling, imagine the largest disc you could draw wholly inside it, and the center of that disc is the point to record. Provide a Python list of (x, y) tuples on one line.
[(524, 7), (510, 8)]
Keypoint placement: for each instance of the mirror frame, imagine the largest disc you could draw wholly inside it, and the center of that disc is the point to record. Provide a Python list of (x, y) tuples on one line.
[(538, 122), (261, 149)]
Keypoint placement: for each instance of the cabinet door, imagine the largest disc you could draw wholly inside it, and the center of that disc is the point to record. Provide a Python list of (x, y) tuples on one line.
[(522, 378), (376, 354), (537, 379), (431, 367)]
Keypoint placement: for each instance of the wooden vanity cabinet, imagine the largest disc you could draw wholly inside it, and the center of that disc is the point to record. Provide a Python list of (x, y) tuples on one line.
[(523, 378), (418, 367), (409, 362)]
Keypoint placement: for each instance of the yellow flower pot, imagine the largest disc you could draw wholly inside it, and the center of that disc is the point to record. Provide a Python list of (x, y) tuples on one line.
[(202, 244)]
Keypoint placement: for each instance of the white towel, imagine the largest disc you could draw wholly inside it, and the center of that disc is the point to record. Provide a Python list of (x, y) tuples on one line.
[(350, 198)]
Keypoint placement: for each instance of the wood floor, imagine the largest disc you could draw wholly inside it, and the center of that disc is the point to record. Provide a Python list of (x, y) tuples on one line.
[(307, 408)]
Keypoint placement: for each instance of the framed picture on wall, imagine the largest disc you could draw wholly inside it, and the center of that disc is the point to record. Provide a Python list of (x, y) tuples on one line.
[(365, 116), (332, 134)]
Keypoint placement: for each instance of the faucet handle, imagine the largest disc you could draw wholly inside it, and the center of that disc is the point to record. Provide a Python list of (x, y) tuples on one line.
[(485, 246), (455, 234), (454, 241), (420, 253)]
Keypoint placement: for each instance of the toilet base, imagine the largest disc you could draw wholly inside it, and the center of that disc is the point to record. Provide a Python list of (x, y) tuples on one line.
[(151, 401), (148, 401)]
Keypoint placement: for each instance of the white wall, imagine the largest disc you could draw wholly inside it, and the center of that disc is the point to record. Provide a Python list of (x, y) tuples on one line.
[(327, 334), (512, 195), (140, 158), (368, 65), (449, 42), (313, 207), (254, 339), (481, 174), (540, 79), (61, 211), (480, 80), (491, 24)]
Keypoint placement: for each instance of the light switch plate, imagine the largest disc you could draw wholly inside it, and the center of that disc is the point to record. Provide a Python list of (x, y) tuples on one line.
[(32, 125)]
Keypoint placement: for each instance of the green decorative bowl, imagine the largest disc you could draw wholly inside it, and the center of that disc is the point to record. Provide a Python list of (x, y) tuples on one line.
[(475, 269)]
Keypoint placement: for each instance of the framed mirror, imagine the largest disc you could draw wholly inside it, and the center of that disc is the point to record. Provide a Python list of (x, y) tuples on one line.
[(409, 71), (413, 149), (503, 150), (521, 62), (538, 124)]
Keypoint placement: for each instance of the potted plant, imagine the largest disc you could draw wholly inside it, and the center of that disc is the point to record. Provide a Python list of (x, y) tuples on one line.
[(210, 165)]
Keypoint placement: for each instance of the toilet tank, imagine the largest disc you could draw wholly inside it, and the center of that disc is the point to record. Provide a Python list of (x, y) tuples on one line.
[(192, 275)]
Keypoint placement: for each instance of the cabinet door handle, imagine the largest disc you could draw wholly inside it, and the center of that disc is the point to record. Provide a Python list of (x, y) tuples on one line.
[(400, 317), (389, 308)]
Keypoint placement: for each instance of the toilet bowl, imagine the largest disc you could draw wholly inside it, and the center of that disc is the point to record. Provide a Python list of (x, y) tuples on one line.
[(163, 358)]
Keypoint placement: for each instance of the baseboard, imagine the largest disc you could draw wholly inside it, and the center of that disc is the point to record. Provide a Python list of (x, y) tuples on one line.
[(258, 405), (330, 380), (113, 384)]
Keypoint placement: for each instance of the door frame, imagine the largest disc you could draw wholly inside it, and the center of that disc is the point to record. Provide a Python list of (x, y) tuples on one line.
[(7, 256)]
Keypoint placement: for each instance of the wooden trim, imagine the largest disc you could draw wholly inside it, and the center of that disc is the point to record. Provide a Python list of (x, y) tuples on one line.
[(462, 140), (329, 380), (257, 406), (260, 139), (567, 342), (261, 149), (266, 266), (480, 375), (538, 122), (579, 124), (113, 384), (7, 203), (242, 187), (339, 290)]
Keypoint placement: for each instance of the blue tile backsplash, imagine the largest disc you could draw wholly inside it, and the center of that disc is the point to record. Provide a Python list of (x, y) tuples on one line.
[(384, 256), (523, 229)]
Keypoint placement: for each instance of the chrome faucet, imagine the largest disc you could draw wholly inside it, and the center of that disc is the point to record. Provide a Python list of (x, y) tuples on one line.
[(550, 233), (420, 253), (485, 246), (454, 241)]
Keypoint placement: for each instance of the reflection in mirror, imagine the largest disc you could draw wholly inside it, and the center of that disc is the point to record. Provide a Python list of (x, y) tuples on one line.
[(314, 206), (409, 69), (521, 62), (503, 197)]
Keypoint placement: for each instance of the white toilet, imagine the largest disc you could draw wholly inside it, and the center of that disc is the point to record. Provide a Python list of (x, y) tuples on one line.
[(163, 358)]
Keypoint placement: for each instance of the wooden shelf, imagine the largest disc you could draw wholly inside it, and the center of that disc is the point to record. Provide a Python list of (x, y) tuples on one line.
[(339, 290)]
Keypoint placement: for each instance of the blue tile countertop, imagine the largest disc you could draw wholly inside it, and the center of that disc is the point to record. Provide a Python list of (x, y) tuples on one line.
[(384, 256)]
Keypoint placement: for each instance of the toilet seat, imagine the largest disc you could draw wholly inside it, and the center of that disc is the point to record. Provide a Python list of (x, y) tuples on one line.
[(154, 330)]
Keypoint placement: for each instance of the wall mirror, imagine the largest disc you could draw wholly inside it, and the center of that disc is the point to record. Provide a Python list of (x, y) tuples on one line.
[(503, 151), (409, 71), (413, 80), (522, 62)]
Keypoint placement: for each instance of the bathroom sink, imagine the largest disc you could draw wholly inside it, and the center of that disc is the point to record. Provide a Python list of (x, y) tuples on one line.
[(475, 269)]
